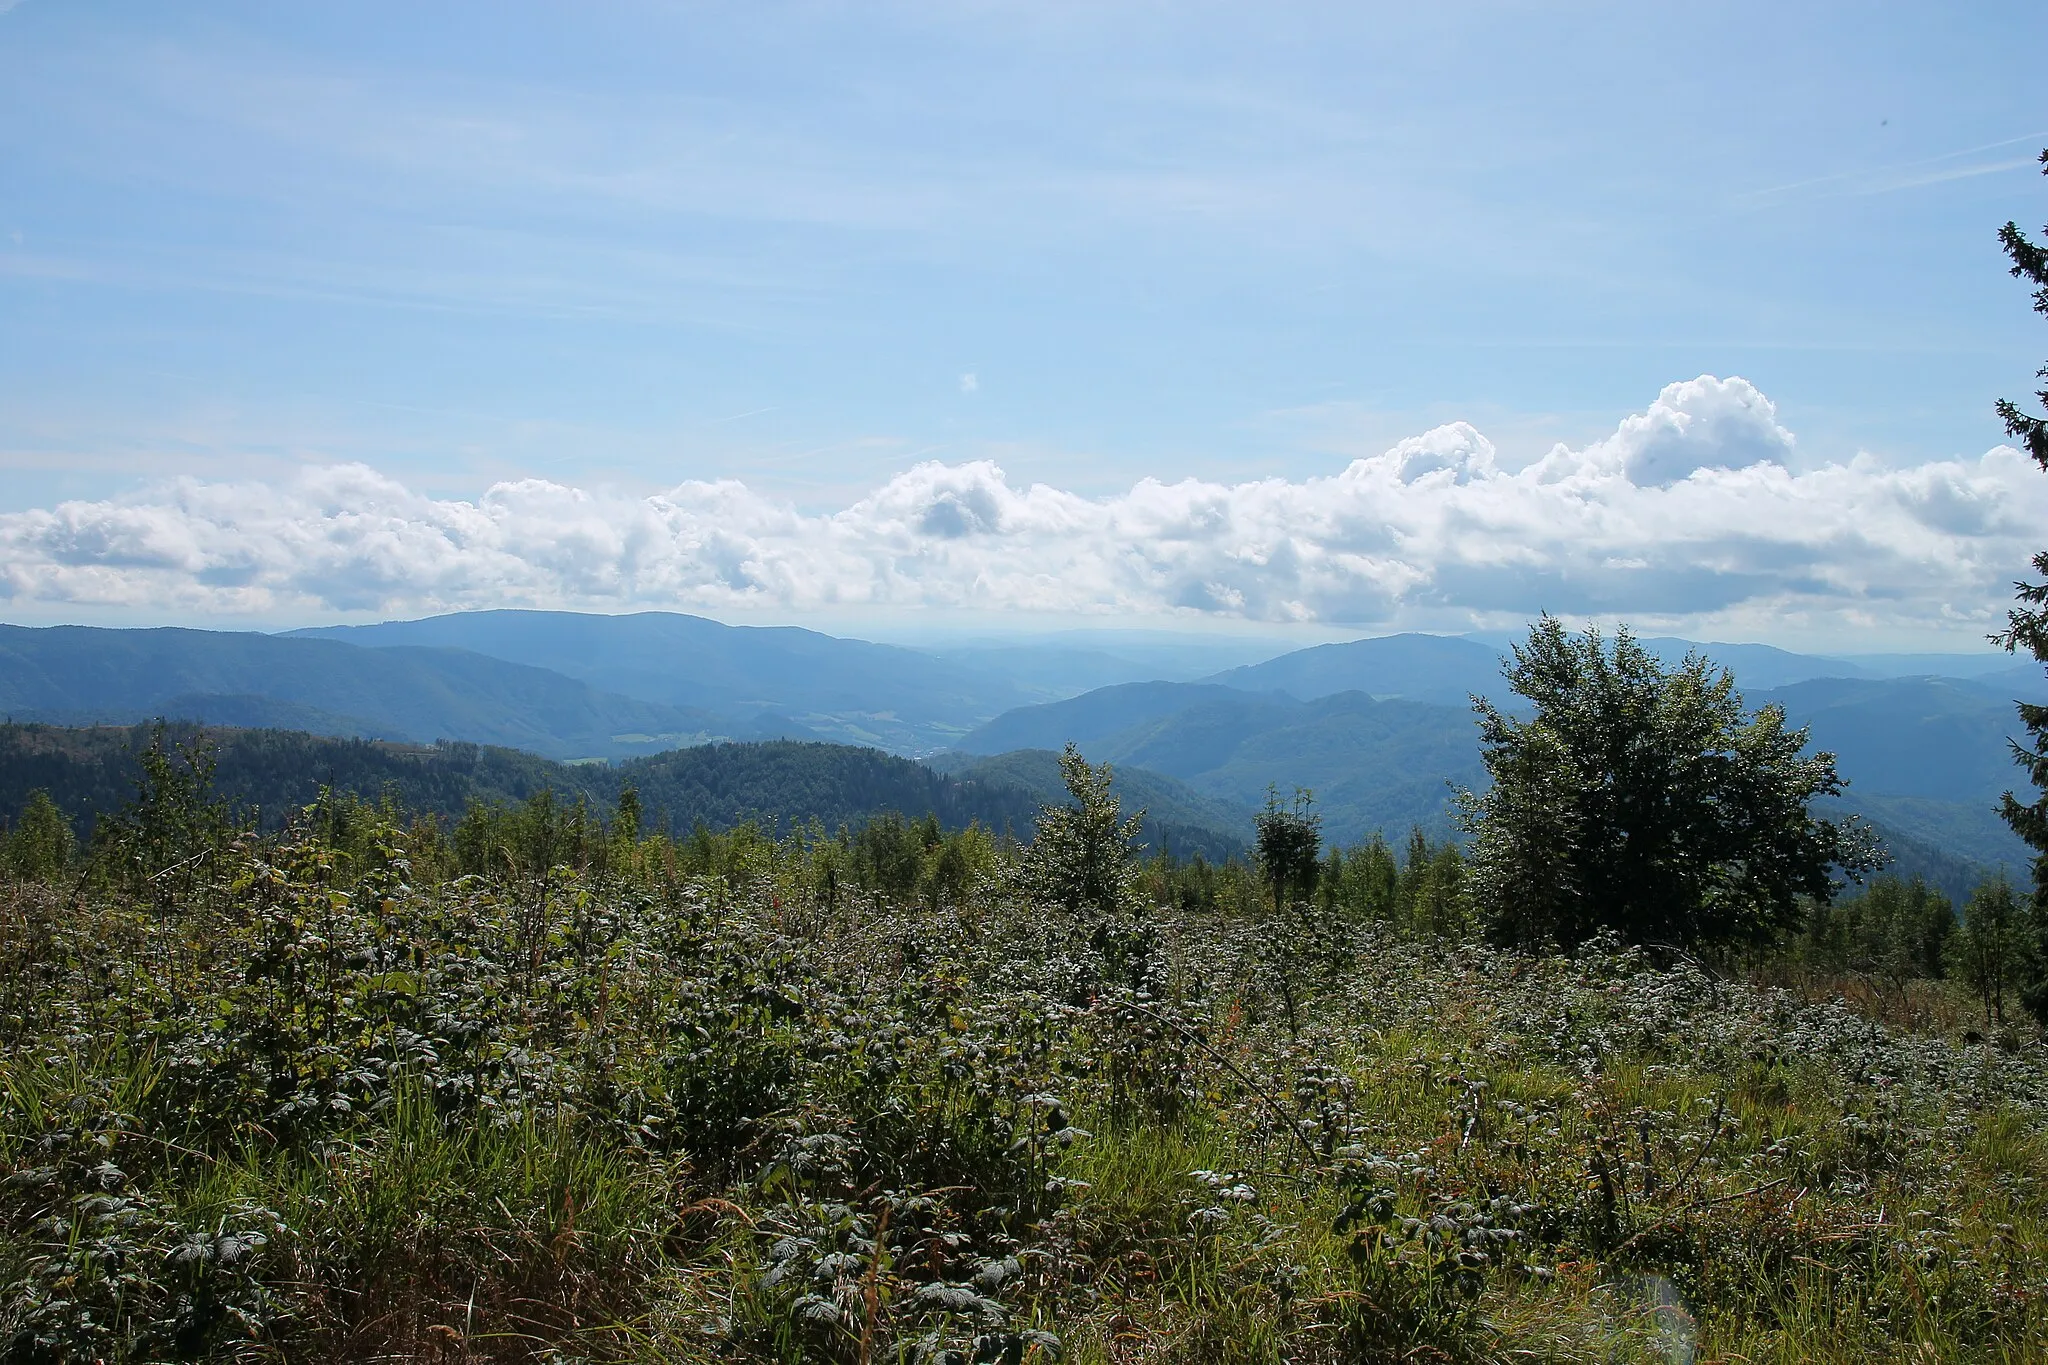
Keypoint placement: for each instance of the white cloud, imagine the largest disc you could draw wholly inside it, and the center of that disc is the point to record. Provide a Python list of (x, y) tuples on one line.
[(969, 383), (1689, 512)]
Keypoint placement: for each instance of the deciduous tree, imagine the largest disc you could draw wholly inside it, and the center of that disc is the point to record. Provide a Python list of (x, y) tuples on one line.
[(1646, 802), (1997, 950)]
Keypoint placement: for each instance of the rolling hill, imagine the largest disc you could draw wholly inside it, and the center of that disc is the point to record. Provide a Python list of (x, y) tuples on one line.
[(1926, 758), (82, 674), (852, 691), (91, 771)]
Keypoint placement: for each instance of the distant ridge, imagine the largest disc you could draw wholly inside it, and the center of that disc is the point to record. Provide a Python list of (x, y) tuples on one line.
[(1451, 668), (83, 673), (1926, 758), (1439, 668), (851, 691)]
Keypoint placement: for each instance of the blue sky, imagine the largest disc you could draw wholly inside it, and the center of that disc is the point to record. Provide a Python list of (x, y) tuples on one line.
[(621, 248)]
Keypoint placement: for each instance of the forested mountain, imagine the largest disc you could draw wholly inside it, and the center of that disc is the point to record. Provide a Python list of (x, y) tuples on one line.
[(1925, 757), (1107, 712), (1450, 668), (80, 674), (1379, 728), (93, 771), (848, 690), (1438, 668), (1373, 765), (1177, 817), (1931, 737)]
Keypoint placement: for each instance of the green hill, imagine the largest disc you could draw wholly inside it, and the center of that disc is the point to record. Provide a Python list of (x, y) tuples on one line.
[(1177, 817), (92, 771)]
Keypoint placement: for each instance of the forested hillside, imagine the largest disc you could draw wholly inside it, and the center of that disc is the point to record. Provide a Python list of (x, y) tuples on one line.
[(778, 784), (1925, 758), (1178, 819), (83, 675)]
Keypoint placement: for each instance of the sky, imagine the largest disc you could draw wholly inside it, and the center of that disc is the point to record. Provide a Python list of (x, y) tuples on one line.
[(1336, 319)]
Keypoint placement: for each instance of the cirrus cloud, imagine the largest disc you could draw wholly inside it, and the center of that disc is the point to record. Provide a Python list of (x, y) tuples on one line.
[(1691, 511)]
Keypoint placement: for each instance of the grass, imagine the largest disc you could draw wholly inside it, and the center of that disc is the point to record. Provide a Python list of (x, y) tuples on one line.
[(330, 1108)]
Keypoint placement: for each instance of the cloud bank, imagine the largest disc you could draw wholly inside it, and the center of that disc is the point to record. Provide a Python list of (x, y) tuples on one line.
[(1691, 511)]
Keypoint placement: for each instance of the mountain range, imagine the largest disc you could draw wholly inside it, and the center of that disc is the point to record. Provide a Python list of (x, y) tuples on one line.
[(1924, 757), (81, 675), (1380, 729), (755, 677)]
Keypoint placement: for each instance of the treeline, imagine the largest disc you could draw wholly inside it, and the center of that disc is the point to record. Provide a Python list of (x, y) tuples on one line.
[(266, 775), (270, 773), (189, 790), (91, 772), (155, 842)]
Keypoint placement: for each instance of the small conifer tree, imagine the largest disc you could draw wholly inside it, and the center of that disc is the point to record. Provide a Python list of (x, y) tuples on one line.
[(39, 848), (2027, 624), (1084, 855)]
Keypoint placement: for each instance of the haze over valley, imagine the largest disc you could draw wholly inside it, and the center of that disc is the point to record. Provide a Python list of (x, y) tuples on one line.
[(1023, 683), (1380, 729)]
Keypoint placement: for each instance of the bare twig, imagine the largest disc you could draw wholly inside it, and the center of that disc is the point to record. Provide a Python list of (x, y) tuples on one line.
[(1700, 1204), (1233, 1069), (1713, 1136)]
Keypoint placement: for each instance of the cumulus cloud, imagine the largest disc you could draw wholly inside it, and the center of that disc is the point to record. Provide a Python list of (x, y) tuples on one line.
[(1690, 510)]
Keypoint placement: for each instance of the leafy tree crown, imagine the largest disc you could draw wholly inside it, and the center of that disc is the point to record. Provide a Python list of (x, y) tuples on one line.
[(1648, 802)]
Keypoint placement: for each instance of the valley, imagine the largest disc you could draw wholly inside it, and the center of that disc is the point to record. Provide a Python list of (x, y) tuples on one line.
[(1379, 729)]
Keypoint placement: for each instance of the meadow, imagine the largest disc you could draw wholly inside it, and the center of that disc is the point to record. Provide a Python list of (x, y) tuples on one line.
[(533, 1087)]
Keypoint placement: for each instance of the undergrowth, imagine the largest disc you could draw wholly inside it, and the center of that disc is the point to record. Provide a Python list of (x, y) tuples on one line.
[(314, 1098)]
